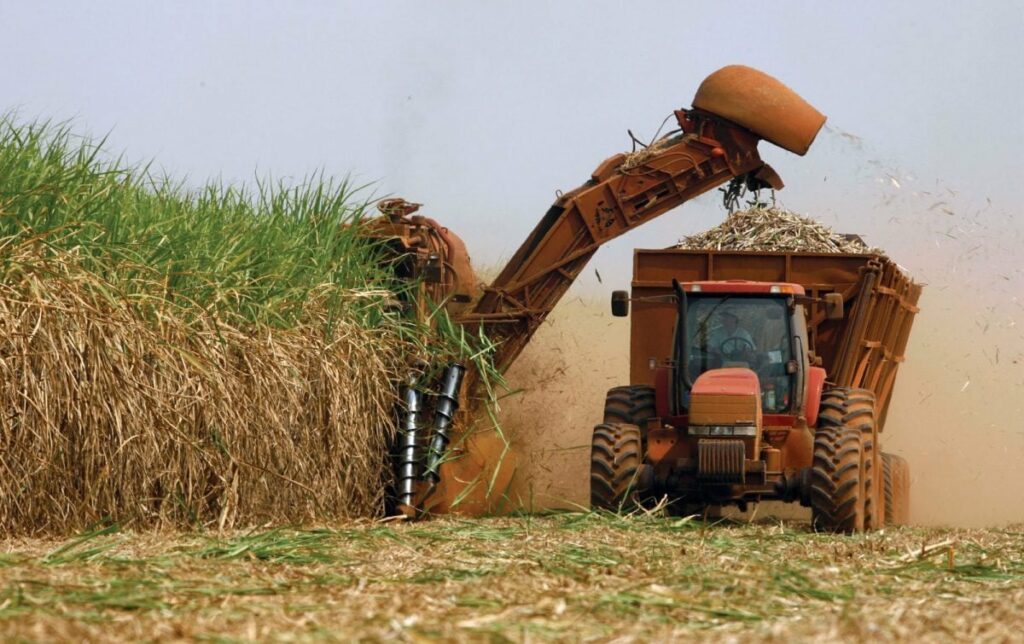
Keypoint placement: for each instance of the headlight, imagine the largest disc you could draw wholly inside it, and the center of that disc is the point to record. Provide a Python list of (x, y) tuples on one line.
[(722, 430)]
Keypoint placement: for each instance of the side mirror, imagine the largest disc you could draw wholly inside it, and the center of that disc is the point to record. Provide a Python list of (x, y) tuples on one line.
[(620, 304), (834, 306)]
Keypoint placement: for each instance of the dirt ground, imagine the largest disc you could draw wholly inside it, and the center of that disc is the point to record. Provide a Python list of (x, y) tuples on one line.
[(575, 576)]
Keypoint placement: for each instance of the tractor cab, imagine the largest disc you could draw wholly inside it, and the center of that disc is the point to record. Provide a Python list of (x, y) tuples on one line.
[(753, 326), (730, 392)]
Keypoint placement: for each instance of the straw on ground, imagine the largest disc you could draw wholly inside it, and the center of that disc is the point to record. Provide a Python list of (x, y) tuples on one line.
[(567, 576)]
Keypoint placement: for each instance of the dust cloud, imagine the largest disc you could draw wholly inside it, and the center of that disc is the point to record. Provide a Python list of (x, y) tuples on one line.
[(560, 381), (956, 414)]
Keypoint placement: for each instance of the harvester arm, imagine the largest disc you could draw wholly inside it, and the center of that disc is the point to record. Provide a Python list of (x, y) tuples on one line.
[(629, 190)]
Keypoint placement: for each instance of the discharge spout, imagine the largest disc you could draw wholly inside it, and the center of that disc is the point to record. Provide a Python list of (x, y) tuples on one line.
[(762, 104)]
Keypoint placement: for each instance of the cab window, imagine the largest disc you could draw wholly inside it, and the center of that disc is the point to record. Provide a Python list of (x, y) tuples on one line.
[(749, 331)]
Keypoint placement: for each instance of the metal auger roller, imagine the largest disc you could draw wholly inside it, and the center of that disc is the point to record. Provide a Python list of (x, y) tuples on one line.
[(409, 441), (444, 411)]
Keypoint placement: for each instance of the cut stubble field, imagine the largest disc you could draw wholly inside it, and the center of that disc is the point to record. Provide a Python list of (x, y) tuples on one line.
[(574, 576)]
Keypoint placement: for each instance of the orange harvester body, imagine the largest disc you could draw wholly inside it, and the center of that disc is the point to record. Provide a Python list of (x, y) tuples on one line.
[(716, 143)]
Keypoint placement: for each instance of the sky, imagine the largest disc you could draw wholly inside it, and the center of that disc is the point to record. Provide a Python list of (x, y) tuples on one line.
[(483, 110)]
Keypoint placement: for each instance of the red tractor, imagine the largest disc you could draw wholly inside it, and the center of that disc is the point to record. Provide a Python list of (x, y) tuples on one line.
[(759, 376)]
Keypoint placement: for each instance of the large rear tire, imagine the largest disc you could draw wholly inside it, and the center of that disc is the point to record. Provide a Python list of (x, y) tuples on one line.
[(616, 467), (897, 489), (631, 404), (844, 492)]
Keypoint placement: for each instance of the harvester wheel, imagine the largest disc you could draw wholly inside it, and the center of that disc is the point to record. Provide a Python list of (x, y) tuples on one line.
[(844, 484), (616, 467), (897, 489), (631, 404)]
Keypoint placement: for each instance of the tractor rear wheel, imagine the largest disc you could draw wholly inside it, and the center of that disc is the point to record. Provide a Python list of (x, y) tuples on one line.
[(631, 404), (897, 489), (844, 493), (616, 467)]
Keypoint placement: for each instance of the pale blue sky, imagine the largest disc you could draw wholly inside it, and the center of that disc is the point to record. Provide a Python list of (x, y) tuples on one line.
[(481, 110)]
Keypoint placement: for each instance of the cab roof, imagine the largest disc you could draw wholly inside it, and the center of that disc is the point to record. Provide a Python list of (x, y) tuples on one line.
[(739, 287)]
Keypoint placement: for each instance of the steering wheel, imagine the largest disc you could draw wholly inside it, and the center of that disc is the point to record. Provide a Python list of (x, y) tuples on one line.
[(734, 347)]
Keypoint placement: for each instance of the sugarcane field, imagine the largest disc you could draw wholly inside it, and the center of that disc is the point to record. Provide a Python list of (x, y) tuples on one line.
[(451, 322)]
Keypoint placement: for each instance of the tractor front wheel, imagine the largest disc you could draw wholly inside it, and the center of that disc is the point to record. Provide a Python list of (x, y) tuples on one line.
[(618, 476), (843, 490), (631, 404)]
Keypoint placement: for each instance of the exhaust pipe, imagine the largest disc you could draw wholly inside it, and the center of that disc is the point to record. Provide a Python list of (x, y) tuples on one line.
[(444, 412)]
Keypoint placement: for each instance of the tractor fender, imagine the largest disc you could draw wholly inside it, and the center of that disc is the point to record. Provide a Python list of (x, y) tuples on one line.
[(815, 385)]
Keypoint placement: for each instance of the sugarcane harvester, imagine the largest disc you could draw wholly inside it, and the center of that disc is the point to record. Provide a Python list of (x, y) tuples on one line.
[(715, 144)]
